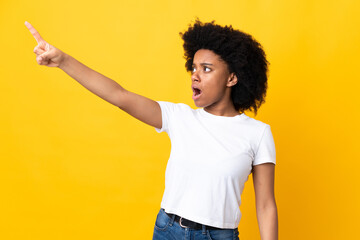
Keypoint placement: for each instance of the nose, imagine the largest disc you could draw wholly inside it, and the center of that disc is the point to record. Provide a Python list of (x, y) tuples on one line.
[(195, 77)]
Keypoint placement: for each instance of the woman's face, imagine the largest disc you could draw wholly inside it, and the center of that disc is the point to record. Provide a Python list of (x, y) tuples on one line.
[(211, 80)]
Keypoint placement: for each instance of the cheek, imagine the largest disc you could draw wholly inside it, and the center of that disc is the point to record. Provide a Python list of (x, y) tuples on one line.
[(217, 86)]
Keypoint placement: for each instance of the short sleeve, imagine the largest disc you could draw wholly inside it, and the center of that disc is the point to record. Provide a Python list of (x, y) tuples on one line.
[(266, 149), (167, 108)]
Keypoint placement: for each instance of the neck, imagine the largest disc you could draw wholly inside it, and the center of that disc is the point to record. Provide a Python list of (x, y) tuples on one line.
[(224, 107), (225, 110)]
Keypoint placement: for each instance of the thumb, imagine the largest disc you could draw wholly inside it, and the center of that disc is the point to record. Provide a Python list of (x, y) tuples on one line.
[(46, 56), (47, 47)]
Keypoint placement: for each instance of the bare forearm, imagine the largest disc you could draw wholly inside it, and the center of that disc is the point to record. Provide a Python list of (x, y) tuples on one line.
[(268, 222), (95, 82)]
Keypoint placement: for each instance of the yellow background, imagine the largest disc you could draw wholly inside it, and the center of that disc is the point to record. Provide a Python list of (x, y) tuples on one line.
[(76, 167)]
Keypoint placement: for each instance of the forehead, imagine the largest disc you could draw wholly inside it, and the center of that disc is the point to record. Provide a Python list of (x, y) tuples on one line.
[(208, 56)]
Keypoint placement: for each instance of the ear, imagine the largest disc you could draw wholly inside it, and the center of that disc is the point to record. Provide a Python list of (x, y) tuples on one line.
[(232, 80)]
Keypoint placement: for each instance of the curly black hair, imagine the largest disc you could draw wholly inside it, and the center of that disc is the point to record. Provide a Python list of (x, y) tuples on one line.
[(243, 54)]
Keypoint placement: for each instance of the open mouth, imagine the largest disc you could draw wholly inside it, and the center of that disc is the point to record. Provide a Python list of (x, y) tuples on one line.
[(196, 93)]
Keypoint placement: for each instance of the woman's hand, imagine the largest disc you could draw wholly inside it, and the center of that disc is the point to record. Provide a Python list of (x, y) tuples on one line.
[(142, 108), (46, 54)]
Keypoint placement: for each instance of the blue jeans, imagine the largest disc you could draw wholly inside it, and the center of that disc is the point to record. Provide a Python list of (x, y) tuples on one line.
[(166, 229)]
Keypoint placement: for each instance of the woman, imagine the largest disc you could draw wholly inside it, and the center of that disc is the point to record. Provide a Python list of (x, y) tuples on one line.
[(213, 148)]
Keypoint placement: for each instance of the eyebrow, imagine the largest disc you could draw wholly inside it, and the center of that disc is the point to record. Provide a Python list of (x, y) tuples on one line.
[(202, 64)]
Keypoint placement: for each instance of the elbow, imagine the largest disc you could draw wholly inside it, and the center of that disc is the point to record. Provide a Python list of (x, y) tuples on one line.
[(119, 98), (267, 205)]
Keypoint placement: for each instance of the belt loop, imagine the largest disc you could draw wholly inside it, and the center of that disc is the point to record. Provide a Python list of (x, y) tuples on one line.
[(172, 220), (203, 229)]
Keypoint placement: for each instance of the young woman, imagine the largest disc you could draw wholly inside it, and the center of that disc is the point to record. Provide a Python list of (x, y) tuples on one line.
[(215, 147)]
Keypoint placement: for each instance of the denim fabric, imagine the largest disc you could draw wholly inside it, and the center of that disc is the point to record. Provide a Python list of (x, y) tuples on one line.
[(166, 229)]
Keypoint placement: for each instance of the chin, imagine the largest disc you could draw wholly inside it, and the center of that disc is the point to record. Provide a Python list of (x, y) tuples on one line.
[(201, 105), (197, 104)]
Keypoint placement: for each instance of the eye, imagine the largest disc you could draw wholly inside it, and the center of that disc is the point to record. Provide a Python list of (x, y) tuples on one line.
[(206, 69)]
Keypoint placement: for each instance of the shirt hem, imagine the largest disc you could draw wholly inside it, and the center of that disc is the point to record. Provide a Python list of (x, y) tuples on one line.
[(204, 221)]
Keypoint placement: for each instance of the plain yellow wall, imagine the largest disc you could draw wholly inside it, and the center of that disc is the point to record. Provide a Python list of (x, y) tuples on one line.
[(76, 167)]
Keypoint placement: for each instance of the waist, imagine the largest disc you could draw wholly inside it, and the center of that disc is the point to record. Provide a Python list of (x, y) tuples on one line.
[(186, 223)]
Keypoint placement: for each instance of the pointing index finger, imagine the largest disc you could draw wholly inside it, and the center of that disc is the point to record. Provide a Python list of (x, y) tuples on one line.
[(35, 33)]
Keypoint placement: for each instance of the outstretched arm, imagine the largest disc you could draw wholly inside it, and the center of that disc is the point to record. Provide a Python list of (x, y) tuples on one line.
[(266, 210), (142, 108)]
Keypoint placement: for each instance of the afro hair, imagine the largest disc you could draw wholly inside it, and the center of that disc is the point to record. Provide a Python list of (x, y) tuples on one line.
[(244, 56)]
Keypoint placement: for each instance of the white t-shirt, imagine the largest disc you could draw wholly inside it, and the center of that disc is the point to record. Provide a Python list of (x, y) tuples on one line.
[(210, 160)]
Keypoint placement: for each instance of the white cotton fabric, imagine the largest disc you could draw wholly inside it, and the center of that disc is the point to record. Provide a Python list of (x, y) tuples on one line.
[(210, 160)]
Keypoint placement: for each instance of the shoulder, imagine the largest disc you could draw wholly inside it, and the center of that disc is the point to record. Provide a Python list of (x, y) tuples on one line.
[(256, 129), (174, 106), (255, 124)]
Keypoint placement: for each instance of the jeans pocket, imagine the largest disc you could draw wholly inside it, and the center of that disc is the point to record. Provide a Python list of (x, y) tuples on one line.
[(162, 220), (224, 234)]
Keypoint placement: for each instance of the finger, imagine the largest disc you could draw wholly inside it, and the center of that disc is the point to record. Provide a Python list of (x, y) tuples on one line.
[(35, 33), (42, 45), (46, 56), (41, 61), (38, 50)]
